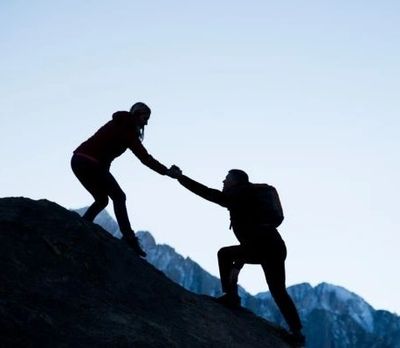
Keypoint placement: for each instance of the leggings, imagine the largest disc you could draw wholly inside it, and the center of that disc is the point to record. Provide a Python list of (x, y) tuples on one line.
[(272, 261), (98, 181)]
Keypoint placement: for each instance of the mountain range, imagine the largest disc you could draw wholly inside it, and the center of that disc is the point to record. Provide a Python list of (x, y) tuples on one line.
[(333, 317)]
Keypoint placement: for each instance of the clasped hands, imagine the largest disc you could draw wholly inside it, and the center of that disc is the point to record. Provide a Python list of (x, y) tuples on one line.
[(174, 172)]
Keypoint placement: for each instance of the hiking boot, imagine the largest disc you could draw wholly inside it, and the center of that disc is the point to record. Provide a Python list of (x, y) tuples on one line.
[(228, 300), (133, 242), (297, 339)]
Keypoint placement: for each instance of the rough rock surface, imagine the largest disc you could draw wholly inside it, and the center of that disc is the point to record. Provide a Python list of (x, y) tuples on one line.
[(65, 282)]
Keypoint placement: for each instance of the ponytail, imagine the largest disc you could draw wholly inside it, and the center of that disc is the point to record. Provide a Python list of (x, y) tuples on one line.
[(140, 107)]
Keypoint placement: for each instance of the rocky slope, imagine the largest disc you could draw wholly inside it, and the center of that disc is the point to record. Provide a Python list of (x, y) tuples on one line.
[(333, 316), (66, 282)]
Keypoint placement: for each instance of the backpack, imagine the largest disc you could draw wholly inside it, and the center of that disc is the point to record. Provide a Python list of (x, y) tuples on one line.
[(267, 205)]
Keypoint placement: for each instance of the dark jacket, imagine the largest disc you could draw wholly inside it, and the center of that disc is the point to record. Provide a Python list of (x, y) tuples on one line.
[(248, 225), (112, 140)]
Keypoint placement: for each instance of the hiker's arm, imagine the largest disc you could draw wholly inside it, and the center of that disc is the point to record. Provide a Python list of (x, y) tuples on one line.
[(139, 150), (203, 191)]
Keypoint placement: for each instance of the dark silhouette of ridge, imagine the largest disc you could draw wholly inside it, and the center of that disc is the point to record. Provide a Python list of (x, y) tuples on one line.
[(66, 282)]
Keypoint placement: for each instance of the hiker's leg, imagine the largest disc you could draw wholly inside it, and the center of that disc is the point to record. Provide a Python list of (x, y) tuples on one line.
[(230, 261), (274, 270), (119, 202), (118, 197), (92, 178), (100, 202)]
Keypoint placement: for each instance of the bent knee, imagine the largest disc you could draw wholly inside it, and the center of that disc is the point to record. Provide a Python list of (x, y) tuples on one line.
[(225, 253)]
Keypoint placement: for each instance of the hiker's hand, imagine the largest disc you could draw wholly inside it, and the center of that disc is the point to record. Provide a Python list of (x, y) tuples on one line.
[(174, 172)]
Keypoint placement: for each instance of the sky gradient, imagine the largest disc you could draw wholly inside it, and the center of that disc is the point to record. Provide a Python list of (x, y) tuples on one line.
[(302, 96)]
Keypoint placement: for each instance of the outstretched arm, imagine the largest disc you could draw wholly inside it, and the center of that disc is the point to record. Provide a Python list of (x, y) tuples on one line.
[(139, 150), (203, 191)]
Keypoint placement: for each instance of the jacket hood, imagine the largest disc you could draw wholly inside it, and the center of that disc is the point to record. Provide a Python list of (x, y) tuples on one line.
[(125, 121), (122, 116)]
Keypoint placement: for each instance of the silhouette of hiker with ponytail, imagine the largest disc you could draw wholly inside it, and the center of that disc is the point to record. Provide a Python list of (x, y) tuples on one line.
[(92, 159), (255, 212)]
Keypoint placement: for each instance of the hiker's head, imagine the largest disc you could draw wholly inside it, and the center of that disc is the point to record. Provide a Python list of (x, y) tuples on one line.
[(235, 177), (141, 112)]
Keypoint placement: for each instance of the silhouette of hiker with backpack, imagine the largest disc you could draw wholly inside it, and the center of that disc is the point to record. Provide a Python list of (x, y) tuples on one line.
[(255, 213), (92, 159)]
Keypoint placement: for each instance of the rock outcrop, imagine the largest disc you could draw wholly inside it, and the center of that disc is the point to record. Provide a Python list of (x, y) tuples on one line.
[(65, 282)]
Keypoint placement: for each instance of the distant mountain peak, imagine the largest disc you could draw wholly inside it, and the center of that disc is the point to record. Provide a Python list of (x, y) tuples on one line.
[(147, 239), (339, 300)]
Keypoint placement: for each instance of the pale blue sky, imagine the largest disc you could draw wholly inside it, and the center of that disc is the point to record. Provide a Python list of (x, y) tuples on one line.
[(302, 95)]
